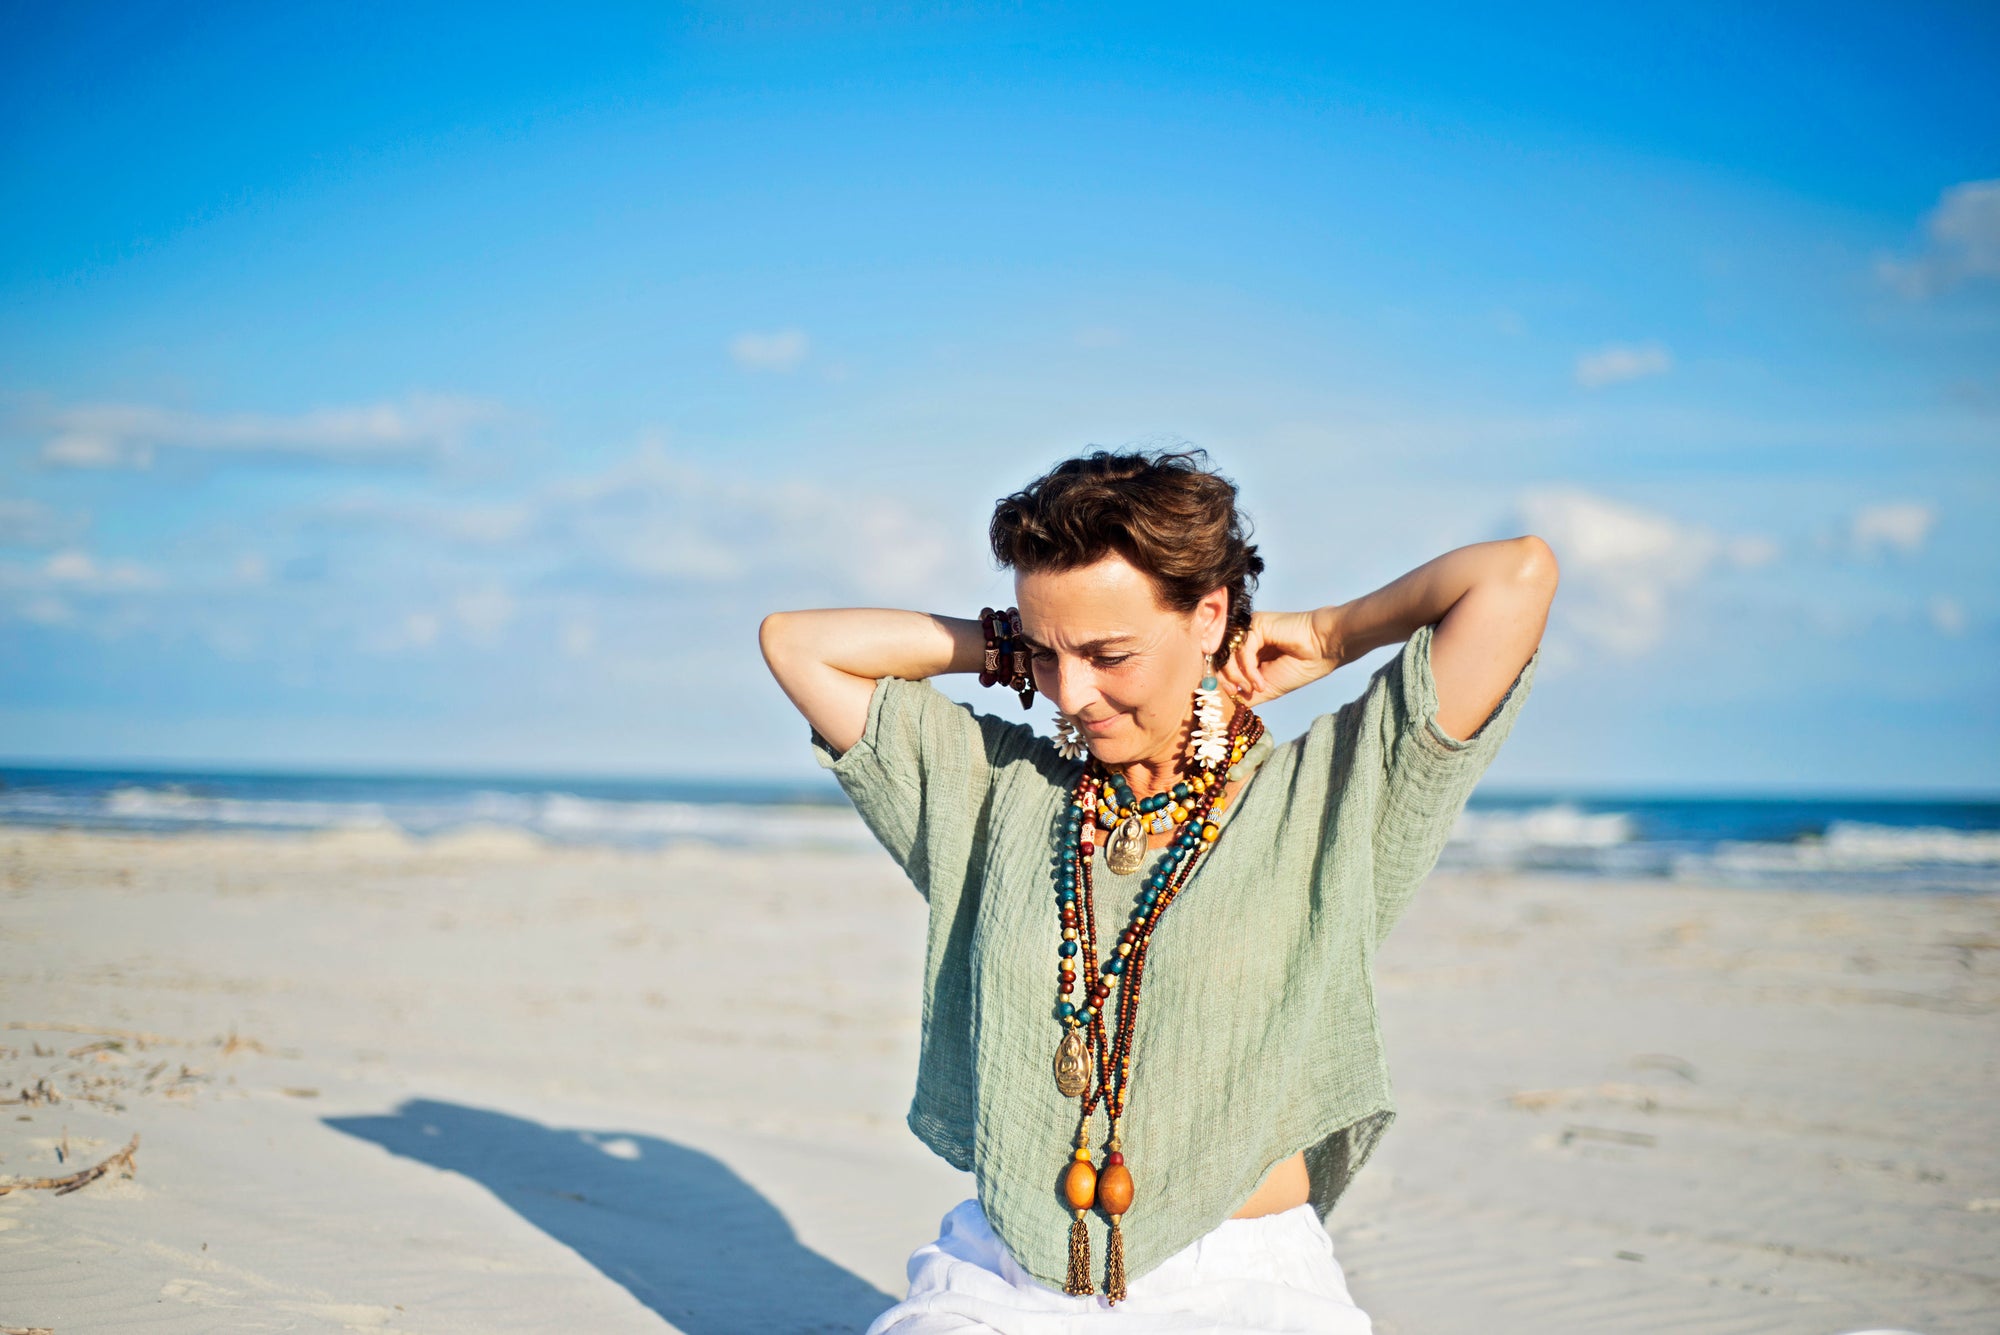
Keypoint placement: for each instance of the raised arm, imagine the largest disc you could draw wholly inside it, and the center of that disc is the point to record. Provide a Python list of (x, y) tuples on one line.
[(1489, 601), (828, 661)]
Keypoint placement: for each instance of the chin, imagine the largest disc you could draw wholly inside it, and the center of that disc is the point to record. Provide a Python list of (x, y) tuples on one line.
[(1113, 751)]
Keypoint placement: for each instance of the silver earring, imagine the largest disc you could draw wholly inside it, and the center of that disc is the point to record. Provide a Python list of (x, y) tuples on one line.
[(1069, 742)]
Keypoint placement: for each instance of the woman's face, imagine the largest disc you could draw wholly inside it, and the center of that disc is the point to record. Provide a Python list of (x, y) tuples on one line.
[(1107, 654)]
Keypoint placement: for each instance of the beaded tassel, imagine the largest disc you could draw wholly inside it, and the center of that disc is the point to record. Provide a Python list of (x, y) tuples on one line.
[(1114, 1264), (1078, 1281)]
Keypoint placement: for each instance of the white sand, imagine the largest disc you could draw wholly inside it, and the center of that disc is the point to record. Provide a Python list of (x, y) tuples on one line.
[(484, 1085)]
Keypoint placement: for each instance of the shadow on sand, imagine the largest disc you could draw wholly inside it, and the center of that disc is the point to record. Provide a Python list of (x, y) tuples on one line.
[(688, 1238)]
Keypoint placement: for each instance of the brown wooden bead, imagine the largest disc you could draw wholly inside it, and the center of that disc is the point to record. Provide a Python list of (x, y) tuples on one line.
[(1114, 1188), (1080, 1186)]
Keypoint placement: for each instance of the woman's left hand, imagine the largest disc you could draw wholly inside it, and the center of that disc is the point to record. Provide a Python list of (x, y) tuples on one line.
[(1281, 652)]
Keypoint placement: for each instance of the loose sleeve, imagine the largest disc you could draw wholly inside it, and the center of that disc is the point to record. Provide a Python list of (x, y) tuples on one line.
[(1427, 774), (922, 771)]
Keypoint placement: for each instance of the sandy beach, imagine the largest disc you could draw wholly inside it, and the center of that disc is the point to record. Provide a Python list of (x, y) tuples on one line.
[(482, 1083)]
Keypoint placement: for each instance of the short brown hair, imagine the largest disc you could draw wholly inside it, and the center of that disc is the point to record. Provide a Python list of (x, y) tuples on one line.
[(1162, 510)]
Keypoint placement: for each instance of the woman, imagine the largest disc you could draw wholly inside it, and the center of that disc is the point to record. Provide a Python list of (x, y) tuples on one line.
[(1149, 1026)]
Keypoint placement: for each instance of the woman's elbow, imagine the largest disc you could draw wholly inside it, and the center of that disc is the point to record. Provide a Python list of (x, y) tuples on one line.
[(1535, 567), (776, 634)]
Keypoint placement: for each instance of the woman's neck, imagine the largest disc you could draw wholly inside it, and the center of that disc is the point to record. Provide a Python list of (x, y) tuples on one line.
[(1156, 774)]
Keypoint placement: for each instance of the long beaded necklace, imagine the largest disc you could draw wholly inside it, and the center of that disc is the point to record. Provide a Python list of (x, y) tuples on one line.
[(1103, 800)]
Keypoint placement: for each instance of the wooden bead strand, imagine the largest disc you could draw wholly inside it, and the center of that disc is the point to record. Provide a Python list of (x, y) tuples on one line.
[(1099, 801)]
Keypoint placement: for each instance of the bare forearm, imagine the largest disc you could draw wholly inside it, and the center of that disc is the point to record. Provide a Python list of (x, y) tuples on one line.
[(828, 661), (1392, 613), (875, 642), (1490, 604)]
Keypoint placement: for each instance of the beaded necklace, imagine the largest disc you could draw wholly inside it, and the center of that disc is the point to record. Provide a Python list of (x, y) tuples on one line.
[(1103, 799)]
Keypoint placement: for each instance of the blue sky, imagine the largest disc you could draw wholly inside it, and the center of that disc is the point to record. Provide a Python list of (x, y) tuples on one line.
[(456, 389)]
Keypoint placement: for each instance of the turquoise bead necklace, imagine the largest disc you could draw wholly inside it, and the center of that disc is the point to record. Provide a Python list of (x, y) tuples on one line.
[(1189, 803)]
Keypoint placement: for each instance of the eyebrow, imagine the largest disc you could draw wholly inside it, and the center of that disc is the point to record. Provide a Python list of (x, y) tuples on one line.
[(1089, 646)]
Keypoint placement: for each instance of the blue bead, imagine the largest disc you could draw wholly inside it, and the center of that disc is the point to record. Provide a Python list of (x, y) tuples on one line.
[(1065, 1010), (1117, 964), (1068, 948), (1181, 790), (1150, 895), (1208, 683)]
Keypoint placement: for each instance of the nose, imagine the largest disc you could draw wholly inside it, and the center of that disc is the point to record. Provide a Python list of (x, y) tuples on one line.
[(1069, 683)]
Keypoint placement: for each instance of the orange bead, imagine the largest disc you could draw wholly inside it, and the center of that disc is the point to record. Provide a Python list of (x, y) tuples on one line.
[(1080, 1186), (1114, 1189)]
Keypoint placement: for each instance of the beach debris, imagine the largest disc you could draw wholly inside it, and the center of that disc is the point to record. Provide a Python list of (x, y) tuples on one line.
[(1609, 1135), (129, 1035), (39, 1092), (1537, 1100), (1665, 1061), (63, 1186), (27, 1330)]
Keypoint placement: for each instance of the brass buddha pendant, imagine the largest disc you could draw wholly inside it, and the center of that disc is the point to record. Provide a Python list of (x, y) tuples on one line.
[(1072, 1063), (1125, 850)]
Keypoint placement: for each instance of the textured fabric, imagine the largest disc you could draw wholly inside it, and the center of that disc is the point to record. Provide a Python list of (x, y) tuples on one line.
[(1273, 1275), (1257, 1036)]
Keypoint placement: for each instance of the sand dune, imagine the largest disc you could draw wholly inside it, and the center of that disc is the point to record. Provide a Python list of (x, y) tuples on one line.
[(481, 1084)]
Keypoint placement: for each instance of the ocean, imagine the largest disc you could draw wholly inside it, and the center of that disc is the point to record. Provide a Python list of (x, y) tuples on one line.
[(1885, 844)]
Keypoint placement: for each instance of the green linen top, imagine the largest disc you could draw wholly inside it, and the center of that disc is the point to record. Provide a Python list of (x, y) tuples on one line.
[(1257, 1036)]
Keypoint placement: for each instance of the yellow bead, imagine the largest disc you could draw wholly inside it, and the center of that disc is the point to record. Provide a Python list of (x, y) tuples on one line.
[(1080, 1184), (1210, 830), (1082, 1155)]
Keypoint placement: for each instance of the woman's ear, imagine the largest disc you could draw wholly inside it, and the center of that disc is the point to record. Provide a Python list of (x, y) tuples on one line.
[(1211, 617)]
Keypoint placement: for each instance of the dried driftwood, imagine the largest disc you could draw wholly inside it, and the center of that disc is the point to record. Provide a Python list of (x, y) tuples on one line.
[(62, 1186)]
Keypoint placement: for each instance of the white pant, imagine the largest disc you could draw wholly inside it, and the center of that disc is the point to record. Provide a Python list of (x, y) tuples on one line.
[(1273, 1275)]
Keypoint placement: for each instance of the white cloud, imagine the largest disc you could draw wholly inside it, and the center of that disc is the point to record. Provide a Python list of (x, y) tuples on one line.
[(1964, 243), (77, 569), (1621, 361), (113, 435), (1903, 525), (29, 523), (46, 611), (655, 518), (484, 613), (473, 525), (48, 591), (779, 351), (1623, 566), (1947, 615)]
